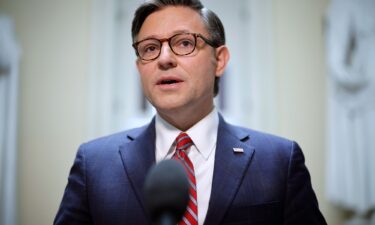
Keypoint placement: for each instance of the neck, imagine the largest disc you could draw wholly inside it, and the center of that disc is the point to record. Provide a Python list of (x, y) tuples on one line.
[(185, 119)]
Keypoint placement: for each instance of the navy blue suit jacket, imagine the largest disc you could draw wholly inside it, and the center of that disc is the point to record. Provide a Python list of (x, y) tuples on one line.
[(267, 184)]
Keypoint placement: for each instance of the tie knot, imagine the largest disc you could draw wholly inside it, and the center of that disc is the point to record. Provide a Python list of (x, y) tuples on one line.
[(183, 142)]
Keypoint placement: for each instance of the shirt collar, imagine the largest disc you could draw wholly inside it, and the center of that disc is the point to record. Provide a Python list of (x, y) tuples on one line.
[(203, 134)]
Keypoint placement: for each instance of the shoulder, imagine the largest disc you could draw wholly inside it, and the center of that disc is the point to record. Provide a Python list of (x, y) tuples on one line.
[(112, 142), (262, 142), (117, 138), (256, 137), (271, 152)]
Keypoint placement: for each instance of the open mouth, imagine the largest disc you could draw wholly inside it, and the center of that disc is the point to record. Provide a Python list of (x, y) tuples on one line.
[(168, 82)]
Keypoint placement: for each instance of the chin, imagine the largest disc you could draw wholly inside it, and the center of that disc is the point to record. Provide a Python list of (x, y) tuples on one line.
[(170, 103), (168, 108)]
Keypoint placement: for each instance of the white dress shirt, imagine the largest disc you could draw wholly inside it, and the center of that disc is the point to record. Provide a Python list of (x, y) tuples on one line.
[(201, 154)]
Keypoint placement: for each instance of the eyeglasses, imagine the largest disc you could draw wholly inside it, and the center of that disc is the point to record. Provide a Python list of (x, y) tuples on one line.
[(180, 44)]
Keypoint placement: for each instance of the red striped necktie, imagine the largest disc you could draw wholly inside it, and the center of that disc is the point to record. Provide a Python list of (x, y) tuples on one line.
[(183, 144)]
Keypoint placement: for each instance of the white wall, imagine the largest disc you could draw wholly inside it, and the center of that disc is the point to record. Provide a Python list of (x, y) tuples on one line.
[(55, 36)]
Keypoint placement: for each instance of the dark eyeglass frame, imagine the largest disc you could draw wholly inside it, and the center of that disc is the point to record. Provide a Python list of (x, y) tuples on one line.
[(195, 35)]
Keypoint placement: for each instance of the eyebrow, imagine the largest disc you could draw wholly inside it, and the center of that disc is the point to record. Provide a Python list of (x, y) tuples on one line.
[(170, 35)]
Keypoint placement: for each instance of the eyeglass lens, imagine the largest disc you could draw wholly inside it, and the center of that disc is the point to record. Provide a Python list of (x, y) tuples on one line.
[(181, 44)]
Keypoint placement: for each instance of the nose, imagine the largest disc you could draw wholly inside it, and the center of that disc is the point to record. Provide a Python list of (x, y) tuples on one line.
[(167, 59)]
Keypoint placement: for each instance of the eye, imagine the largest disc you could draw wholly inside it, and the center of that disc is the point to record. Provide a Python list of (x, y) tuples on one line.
[(150, 48), (185, 43)]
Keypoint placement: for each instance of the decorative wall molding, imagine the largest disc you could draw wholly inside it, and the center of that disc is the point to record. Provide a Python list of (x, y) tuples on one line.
[(9, 62)]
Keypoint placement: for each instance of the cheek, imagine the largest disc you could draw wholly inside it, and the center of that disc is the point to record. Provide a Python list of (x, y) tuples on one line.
[(204, 73), (146, 87), (144, 74), (146, 84)]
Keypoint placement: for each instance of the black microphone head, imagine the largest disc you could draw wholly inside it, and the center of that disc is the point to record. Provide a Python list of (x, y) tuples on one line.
[(166, 191)]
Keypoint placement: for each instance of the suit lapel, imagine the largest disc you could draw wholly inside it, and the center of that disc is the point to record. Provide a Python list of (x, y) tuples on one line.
[(229, 170), (138, 156)]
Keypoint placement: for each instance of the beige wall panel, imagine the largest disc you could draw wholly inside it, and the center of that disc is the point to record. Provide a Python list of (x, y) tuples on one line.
[(53, 36)]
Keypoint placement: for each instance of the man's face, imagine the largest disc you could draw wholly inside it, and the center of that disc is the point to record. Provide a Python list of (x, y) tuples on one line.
[(172, 83)]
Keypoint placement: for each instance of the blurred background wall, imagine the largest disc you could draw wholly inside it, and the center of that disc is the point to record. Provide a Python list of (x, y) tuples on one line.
[(55, 41)]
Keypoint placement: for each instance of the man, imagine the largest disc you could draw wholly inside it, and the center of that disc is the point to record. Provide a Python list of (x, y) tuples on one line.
[(237, 175)]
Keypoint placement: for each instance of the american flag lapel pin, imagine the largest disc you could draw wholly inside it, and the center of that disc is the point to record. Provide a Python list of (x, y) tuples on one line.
[(238, 150)]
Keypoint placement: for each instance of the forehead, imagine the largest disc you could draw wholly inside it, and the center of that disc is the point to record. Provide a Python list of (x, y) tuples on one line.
[(171, 20)]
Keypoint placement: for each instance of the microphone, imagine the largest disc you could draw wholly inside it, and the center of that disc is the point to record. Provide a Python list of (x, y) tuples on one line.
[(166, 192)]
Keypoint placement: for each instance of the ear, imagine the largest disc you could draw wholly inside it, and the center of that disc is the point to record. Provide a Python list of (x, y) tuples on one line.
[(222, 58)]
